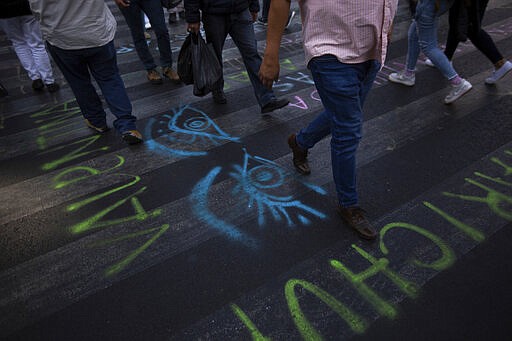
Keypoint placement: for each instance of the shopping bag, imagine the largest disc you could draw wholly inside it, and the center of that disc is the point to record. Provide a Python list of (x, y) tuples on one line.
[(205, 66), (185, 61)]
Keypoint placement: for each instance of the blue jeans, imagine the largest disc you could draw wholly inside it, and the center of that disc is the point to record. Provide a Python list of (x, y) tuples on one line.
[(101, 62), (422, 36), (240, 27), (342, 89), (155, 13)]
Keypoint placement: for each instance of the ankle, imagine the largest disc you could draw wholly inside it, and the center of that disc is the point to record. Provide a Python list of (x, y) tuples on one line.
[(456, 80), (409, 73), (499, 63)]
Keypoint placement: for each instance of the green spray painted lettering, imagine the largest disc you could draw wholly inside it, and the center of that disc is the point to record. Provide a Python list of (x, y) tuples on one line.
[(308, 332), (383, 307), (75, 206), (448, 256), (495, 200), (242, 76), (287, 64), (58, 183), (55, 109), (507, 168), (470, 231), (94, 221), (75, 154), (255, 333), (119, 266)]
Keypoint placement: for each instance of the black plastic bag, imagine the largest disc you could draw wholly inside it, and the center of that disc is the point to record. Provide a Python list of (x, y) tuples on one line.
[(185, 61), (205, 66)]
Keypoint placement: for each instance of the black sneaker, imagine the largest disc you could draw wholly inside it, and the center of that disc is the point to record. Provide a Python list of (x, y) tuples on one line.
[(274, 105), (37, 85), (355, 218), (102, 129), (219, 97), (52, 87), (3, 91), (132, 137)]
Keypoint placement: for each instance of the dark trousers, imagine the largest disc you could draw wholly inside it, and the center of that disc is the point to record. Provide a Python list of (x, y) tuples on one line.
[(240, 27), (77, 67), (481, 39)]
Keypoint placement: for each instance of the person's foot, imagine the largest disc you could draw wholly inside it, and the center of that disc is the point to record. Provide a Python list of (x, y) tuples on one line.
[(154, 77), (290, 18), (100, 129), (300, 156), (37, 85), (355, 218), (52, 87), (428, 62), (458, 91), (276, 103), (499, 74), (219, 97), (171, 74), (3, 91), (132, 137), (402, 78)]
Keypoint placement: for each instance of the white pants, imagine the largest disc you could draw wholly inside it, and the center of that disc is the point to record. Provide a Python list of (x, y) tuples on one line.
[(25, 35)]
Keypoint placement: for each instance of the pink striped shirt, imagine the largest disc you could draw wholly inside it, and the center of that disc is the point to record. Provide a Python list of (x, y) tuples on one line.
[(353, 30)]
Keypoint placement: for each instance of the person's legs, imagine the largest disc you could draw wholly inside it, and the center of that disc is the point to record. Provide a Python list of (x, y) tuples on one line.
[(343, 88), (103, 66), (242, 32), (413, 47), (133, 14), (427, 21), (264, 11), (35, 42), (155, 13), (73, 65), (216, 29), (13, 28)]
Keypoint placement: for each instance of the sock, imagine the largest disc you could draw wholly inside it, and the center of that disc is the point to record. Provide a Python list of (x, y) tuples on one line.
[(409, 73), (456, 80), (499, 63)]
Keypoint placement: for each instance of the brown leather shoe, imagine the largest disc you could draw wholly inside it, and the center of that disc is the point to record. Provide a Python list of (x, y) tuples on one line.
[(171, 74), (154, 77), (300, 156), (354, 217)]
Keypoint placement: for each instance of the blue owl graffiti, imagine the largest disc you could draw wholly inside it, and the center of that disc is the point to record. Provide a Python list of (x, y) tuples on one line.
[(259, 184), (185, 132)]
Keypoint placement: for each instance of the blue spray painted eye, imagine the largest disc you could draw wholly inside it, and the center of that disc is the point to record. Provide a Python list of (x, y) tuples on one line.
[(262, 186), (185, 132), (258, 184)]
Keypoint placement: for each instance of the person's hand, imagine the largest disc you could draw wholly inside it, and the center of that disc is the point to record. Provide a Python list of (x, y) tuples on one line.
[(123, 3), (254, 16), (193, 27), (269, 71)]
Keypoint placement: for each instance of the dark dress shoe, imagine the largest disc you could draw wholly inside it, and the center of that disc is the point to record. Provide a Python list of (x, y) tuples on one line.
[(274, 105), (219, 97), (354, 217), (37, 85), (300, 156)]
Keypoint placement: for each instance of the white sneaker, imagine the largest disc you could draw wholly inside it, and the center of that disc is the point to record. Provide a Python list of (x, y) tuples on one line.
[(290, 18), (457, 91), (499, 74), (428, 62), (402, 78)]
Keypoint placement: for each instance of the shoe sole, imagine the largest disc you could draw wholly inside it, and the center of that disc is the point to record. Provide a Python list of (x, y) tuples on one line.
[(130, 139), (398, 81)]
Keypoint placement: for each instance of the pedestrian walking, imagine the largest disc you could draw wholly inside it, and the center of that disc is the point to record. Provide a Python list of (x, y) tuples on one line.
[(236, 18), (422, 36), (82, 47), (345, 45), (465, 21), (22, 29), (133, 11)]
